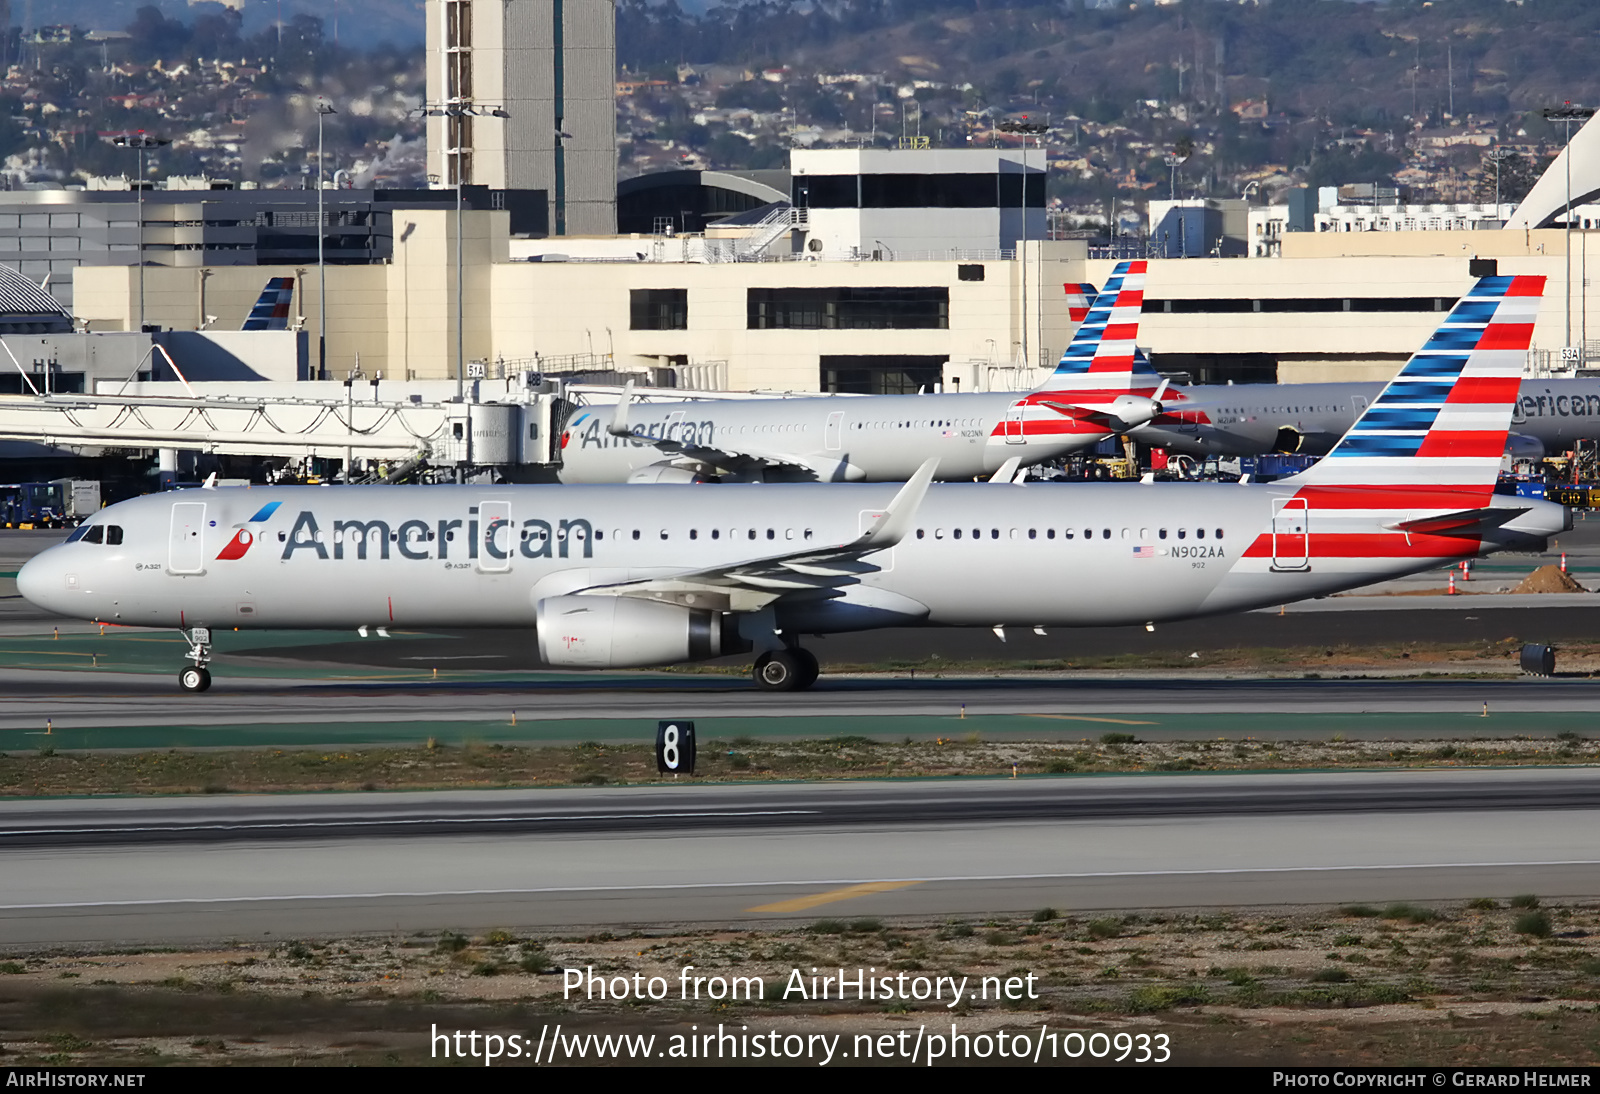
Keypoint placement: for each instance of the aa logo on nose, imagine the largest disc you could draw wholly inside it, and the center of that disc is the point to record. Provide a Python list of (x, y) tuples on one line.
[(244, 537)]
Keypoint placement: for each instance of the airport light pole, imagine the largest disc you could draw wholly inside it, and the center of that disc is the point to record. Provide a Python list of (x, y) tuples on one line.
[(324, 108), (1173, 162), (1567, 114), (140, 140), (1497, 156), (461, 110)]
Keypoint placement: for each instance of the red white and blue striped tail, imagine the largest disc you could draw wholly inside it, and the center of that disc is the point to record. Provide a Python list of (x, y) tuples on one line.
[(271, 311), (1441, 424), (1080, 298), (1102, 357)]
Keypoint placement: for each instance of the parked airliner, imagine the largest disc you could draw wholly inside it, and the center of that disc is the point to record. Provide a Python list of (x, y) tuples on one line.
[(625, 576), (1254, 419), (1094, 393)]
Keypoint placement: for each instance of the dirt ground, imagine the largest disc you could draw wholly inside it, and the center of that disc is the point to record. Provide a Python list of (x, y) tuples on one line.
[(742, 759), (1496, 981)]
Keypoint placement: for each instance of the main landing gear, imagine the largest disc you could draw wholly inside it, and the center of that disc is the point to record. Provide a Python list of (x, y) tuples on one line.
[(196, 677), (785, 670)]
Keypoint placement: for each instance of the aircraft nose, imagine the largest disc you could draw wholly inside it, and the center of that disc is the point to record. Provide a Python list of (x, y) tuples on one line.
[(40, 582)]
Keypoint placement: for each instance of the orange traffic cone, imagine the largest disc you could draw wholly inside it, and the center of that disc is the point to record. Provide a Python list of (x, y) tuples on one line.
[(1452, 590)]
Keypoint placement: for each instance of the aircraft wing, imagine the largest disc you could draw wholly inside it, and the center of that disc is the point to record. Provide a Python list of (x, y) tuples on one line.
[(719, 456), (752, 584), (729, 459)]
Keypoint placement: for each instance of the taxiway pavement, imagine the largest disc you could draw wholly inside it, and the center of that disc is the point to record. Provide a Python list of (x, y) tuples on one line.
[(116, 871)]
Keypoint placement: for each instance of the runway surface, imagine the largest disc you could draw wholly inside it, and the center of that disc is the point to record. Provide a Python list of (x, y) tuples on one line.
[(618, 859), (569, 706)]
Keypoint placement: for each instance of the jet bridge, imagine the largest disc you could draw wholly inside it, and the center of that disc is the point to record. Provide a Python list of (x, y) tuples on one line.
[(495, 423)]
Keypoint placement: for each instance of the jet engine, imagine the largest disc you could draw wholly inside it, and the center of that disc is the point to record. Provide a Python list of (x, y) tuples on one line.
[(620, 632), (1134, 410), (1520, 446), (666, 473)]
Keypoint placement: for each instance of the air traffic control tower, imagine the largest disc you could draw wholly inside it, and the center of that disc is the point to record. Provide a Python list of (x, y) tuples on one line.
[(549, 67)]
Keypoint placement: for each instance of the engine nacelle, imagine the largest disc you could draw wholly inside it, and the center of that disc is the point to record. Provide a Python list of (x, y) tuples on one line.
[(1520, 446), (665, 474), (621, 632)]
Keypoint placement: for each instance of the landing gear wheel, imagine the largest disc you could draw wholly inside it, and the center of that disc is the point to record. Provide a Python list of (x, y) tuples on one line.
[(809, 669), (194, 679), (778, 671)]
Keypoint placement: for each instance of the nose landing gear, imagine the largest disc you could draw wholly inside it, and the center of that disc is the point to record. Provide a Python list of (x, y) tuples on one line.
[(785, 670), (197, 678)]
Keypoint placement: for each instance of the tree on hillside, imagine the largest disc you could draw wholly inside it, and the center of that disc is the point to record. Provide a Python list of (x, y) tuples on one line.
[(1339, 166), (1518, 173)]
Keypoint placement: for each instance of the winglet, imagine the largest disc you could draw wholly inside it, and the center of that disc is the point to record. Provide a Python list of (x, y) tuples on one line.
[(210, 483), (897, 516), (1007, 472), (619, 418)]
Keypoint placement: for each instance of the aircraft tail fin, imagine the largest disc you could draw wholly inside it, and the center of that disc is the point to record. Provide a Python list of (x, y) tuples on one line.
[(1080, 298), (271, 311), (1103, 356), (1441, 424)]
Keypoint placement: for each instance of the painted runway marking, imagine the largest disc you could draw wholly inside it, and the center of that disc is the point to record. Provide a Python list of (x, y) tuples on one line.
[(704, 885), (833, 896), (1088, 718)]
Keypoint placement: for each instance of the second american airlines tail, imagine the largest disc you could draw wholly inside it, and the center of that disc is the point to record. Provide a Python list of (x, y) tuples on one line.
[(632, 576), (1101, 387)]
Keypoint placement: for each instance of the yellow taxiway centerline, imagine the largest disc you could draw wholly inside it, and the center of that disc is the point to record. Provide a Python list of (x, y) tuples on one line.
[(849, 892)]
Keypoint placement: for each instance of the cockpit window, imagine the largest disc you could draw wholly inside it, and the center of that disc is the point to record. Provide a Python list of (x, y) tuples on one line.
[(110, 534)]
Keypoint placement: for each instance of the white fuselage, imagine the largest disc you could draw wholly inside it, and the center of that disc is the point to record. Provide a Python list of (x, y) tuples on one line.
[(1254, 419), (468, 556), (874, 438)]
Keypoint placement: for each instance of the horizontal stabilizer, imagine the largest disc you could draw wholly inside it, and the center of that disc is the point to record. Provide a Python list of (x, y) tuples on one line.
[(1469, 523)]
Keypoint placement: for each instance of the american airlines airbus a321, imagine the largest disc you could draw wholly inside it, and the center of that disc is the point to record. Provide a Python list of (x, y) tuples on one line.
[(628, 576), (1094, 393)]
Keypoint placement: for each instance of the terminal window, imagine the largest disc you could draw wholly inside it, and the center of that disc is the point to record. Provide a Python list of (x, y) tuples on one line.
[(881, 374), (861, 308), (659, 309)]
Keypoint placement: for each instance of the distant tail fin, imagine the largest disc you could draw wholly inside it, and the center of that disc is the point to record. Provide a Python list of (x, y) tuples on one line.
[(1080, 298), (1442, 422), (1103, 357), (272, 307)]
